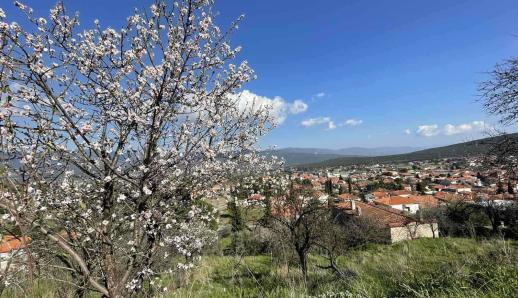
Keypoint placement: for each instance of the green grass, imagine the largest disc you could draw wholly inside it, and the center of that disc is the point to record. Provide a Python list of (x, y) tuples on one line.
[(420, 268), (251, 276), (436, 268), (446, 267)]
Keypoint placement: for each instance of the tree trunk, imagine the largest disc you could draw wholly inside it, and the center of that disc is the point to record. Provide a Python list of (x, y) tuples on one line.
[(303, 264)]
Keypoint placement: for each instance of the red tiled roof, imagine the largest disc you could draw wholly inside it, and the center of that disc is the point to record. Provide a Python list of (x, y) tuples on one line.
[(379, 193), (451, 197), (422, 200), (345, 196), (384, 217), (400, 192), (457, 186), (343, 205), (10, 243)]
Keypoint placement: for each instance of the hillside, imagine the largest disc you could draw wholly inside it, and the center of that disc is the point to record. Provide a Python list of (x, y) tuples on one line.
[(297, 156), (471, 148), (445, 267)]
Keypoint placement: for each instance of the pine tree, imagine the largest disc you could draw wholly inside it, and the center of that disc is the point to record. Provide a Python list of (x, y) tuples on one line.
[(329, 187), (267, 216), (420, 187)]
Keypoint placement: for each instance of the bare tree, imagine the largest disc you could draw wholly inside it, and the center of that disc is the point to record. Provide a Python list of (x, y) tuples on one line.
[(338, 235), (500, 97), (431, 217), (500, 92), (295, 215)]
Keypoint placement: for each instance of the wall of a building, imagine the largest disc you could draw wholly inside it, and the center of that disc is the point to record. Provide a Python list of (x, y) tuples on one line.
[(413, 207), (414, 231)]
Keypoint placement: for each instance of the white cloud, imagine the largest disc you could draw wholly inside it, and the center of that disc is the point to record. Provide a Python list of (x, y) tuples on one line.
[(428, 130), (407, 131), (353, 122), (450, 129), (316, 121), (279, 108), (329, 122), (320, 94), (475, 126), (298, 106)]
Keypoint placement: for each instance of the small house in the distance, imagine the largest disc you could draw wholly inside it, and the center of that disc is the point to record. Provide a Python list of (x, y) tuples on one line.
[(394, 224)]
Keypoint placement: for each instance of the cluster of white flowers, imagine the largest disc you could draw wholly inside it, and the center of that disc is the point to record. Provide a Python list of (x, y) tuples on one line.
[(120, 133)]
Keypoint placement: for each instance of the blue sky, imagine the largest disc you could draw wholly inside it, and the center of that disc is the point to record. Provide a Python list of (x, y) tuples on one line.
[(389, 67)]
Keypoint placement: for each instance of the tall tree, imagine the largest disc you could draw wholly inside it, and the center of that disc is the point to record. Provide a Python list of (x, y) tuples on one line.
[(329, 187), (500, 97), (350, 185), (500, 92), (120, 133)]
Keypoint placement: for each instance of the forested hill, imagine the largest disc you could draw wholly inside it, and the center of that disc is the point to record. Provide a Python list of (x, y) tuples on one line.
[(296, 156), (471, 148)]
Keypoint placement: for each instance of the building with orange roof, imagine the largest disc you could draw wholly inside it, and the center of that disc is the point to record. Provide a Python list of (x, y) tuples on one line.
[(401, 193), (345, 196), (11, 243), (12, 247), (458, 188), (411, 204), (394, 224), (446, 197)]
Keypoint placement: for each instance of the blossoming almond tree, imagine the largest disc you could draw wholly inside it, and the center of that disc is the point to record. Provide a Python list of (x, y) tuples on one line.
[(119, 134)]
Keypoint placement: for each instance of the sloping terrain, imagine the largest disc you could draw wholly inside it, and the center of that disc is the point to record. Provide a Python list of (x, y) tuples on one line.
[(297, 156), (471, 148)]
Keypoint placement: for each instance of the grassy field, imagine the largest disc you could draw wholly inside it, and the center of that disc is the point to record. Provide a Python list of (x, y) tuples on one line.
[(445, 267), (420, 268)]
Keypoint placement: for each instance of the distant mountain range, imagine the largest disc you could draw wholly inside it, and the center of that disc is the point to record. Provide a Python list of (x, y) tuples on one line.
[(296, 156), (471, 148)]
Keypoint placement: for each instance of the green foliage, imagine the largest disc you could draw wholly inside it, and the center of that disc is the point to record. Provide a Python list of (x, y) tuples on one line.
[(436, 268), (306, 182), (350, 185), (396, 185), (444, 267), (420, 187), (329, 187)]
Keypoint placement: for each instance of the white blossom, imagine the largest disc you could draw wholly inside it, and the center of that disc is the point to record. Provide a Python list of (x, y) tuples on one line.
[(117, 131)]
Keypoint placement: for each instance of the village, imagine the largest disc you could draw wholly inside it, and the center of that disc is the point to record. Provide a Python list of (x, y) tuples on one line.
[(207, 148), (400, 197)]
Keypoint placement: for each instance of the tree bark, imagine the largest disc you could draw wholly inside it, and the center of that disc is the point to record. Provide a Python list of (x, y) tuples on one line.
[(303, 264)]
